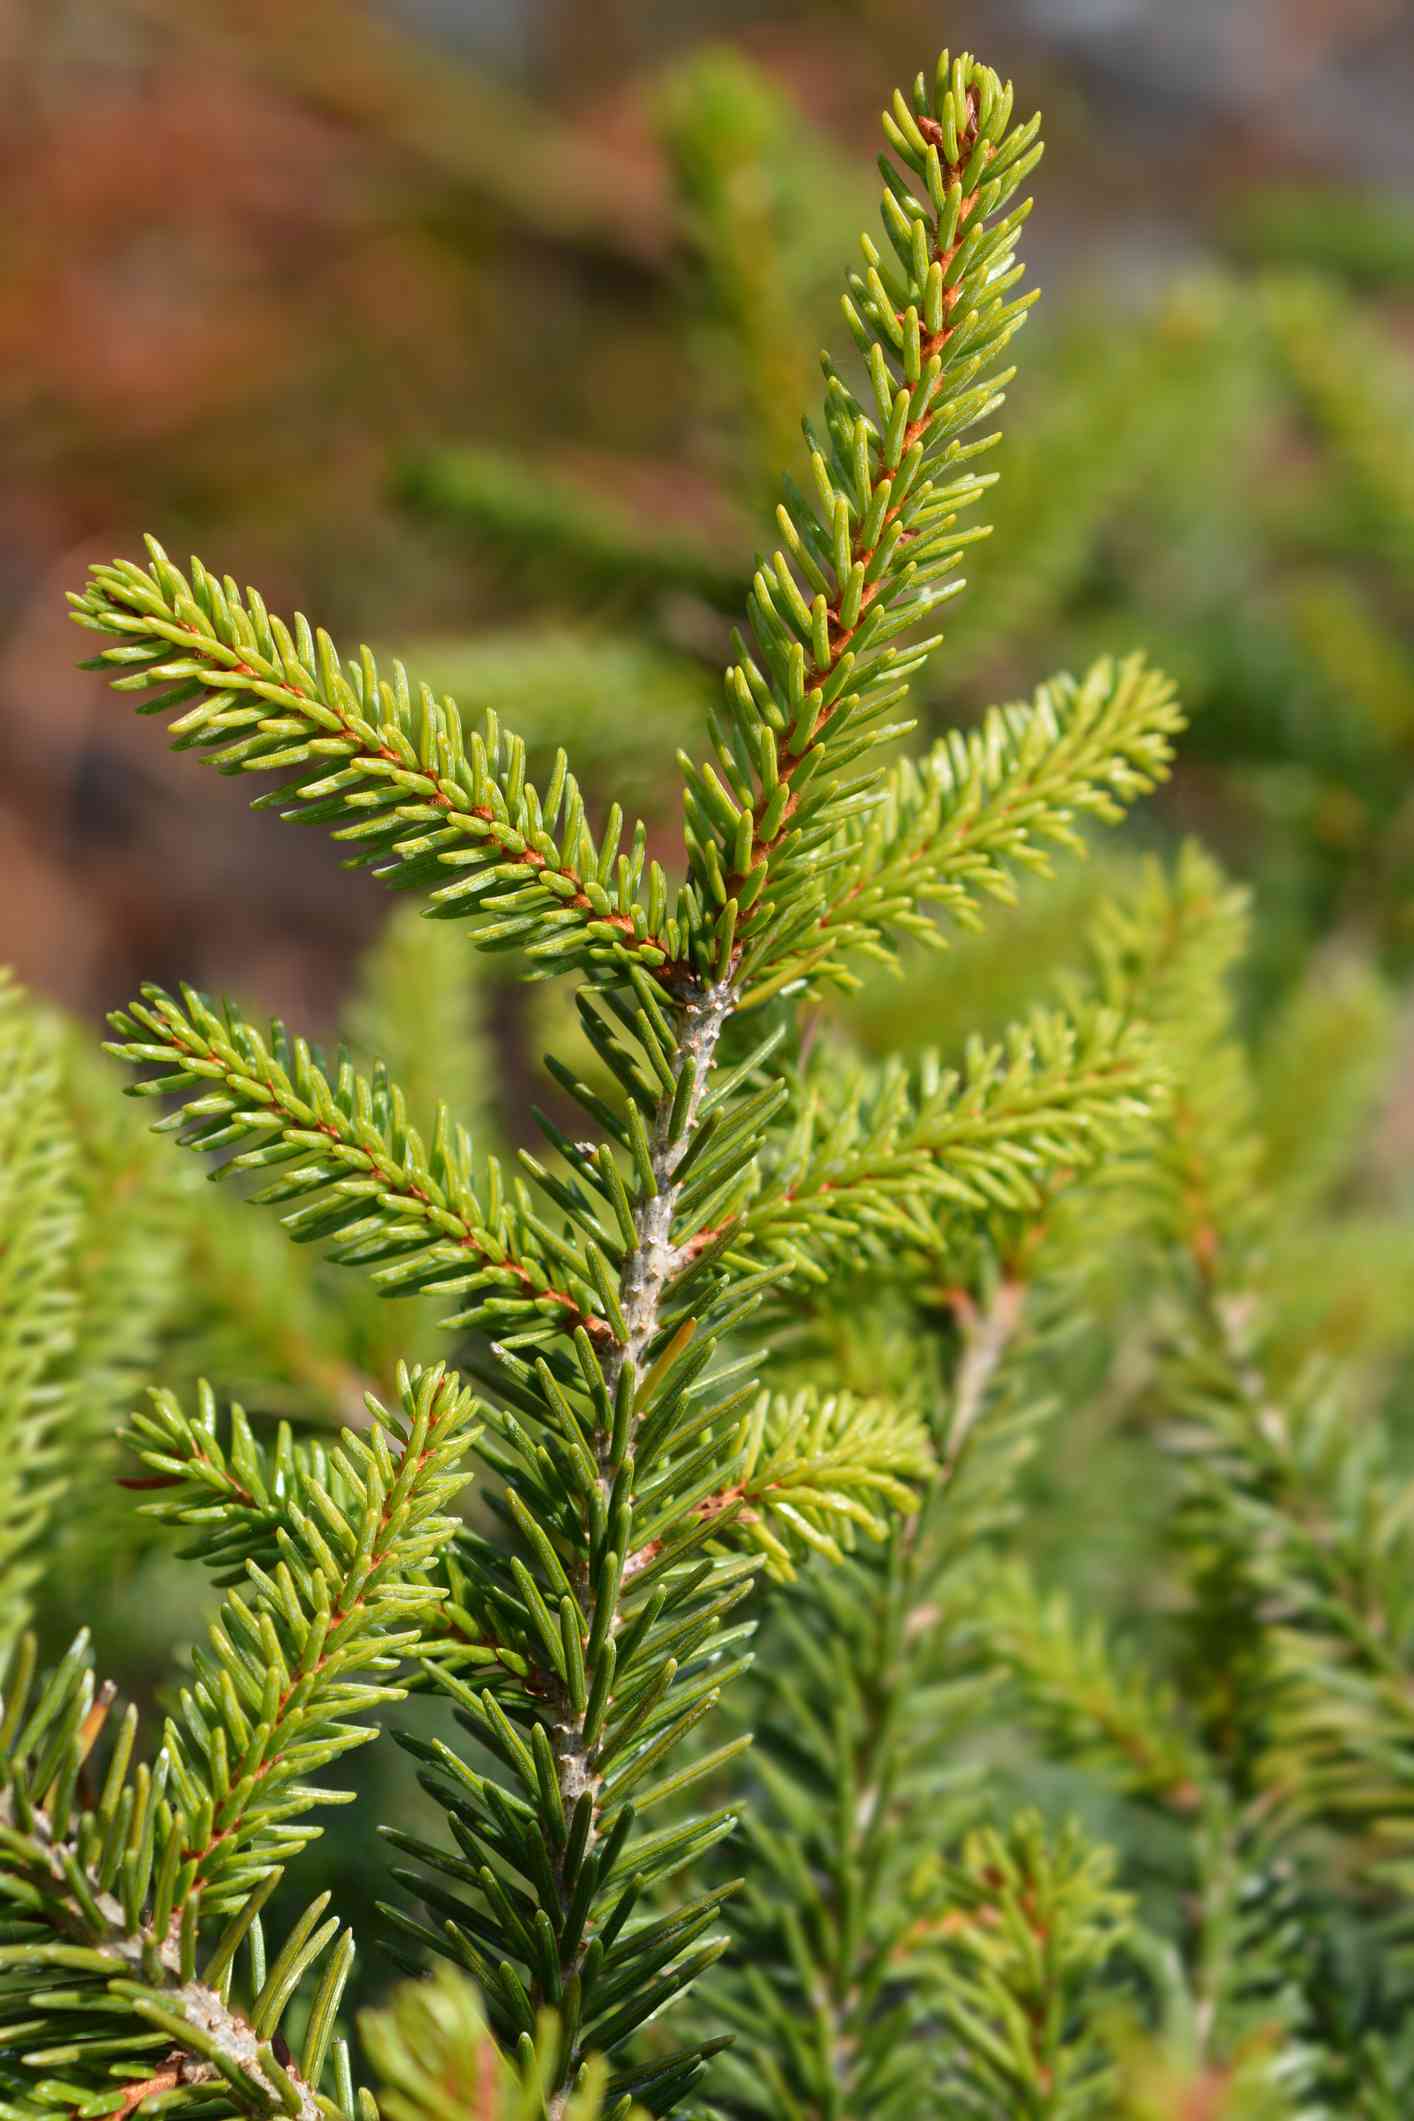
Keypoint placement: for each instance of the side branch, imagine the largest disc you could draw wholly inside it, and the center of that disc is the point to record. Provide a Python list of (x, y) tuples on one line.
[(344, 1150), (223, 2045), (430, 804)]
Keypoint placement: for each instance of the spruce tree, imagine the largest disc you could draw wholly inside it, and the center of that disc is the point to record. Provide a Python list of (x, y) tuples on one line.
[(754, 1358)]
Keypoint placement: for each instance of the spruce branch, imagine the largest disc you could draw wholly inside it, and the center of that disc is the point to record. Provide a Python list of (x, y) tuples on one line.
[(640, 1482), (861, 1677), (551, 1635), (758, 1310), (236, 1497), (1168, 952), (1294, 1525), (1028, 1922), (395, 774), (117, 1894), (364, 1181), (344, 1593), (1299, 1522), (819, 1467), (1239, 2012), (283, 1331), (812, 1470), (864, 561), (933, 1141), (437, 2061), (74, 2045), (951, 827), (1090, 1703), (602, 1716)]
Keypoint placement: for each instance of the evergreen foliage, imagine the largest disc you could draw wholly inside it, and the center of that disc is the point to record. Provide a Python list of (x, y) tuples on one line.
[(1217, 473), (765, 1755)]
